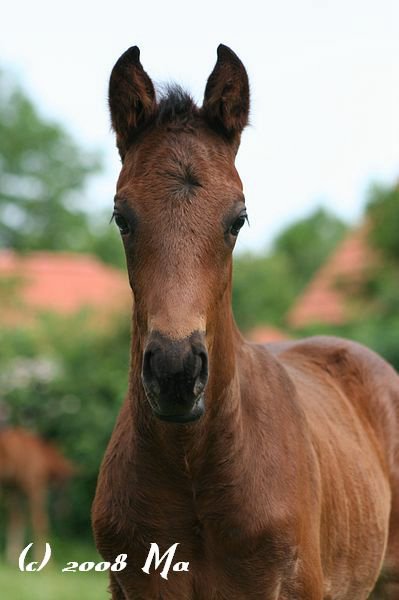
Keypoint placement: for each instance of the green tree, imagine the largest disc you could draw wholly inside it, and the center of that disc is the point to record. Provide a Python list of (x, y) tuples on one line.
[(104, 241), (66, 378), (308, 242), (262, 289), (42, 174), (266, 284), (383, 212), (381, 290), (377, 323)]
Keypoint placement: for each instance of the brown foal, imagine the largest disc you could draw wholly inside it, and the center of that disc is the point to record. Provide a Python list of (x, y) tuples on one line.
[(29, 467), (275, 469)]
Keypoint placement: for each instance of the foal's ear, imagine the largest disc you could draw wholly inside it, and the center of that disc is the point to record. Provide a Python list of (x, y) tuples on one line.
[(226, 100), (131, 97)]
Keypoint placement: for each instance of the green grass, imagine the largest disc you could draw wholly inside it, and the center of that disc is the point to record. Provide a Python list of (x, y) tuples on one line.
[(51, 583)]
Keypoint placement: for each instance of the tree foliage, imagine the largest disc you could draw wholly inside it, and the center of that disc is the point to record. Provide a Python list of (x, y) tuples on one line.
[(42, 173), (66, 381), (381, 289), (377, 324), (383, 212), (262, 289), (307, 243), (266, 284)]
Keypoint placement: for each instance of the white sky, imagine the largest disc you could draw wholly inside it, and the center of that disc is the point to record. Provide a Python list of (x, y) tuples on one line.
[(324, 77)]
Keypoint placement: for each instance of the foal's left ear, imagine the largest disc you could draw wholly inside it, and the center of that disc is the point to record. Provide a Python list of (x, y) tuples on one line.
[(226, 100), (131, 97)]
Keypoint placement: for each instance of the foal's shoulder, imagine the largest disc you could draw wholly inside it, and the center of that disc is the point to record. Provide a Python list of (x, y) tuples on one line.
[(369, 382)]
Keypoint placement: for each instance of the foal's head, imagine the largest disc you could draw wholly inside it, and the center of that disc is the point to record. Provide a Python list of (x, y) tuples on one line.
[(179, 207)]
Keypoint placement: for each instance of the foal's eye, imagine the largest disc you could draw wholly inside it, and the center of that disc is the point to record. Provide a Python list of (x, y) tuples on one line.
[(238, 223), (122, 224)]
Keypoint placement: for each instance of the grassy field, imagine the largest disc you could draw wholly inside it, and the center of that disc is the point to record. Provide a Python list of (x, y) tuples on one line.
[(51, 583)]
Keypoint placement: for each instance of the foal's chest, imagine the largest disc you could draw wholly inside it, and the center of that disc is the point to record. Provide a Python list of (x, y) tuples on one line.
[(216, 556)]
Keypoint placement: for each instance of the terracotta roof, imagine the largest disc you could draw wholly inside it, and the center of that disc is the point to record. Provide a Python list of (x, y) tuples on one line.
[(62, 283), (326, 298), (266, 333)]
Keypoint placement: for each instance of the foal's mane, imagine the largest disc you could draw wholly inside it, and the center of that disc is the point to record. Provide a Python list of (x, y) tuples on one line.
[(175, 105)]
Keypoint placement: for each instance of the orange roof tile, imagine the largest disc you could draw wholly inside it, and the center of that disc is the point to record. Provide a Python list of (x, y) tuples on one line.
[(64, 283), (324, 299), (266, 333)]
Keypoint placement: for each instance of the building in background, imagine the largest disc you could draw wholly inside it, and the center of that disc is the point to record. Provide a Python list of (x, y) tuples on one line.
[(61, 283), (330, 297)]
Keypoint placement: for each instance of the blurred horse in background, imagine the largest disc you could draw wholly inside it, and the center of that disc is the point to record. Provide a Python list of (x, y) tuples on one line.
[(29, 466)]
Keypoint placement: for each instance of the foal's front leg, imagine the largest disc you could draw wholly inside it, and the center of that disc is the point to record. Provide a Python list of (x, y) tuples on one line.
[(115, 589), (310, 588), (308, 579), (282, 579)]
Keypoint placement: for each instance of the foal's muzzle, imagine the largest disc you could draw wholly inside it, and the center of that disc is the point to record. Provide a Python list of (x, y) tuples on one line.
[(174, 375)]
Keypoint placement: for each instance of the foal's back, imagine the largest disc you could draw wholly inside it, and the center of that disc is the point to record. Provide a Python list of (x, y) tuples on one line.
[(350, 397)]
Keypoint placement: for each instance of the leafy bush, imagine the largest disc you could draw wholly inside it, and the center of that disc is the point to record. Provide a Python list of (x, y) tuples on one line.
[(266, 284), (66, 381), (383, 211)]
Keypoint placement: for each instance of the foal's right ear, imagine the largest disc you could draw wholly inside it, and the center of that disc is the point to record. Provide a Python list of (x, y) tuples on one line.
[(131, 97), (226, 100)]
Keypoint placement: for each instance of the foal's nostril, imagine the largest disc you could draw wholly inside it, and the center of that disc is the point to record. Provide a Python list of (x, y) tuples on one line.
[(204, 361), (197, 367), (148, 375), (201, 375), (147, 371)]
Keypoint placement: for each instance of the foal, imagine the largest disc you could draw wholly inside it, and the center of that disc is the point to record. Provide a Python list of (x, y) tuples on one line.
[(276, 469), (29, 467)]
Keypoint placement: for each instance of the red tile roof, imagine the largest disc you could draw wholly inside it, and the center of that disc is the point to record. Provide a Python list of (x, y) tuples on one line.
[(325, 299), (266, 333), (63, 283)]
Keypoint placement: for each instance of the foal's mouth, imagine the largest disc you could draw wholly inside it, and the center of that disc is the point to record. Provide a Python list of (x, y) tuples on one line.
[(189, 416)]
